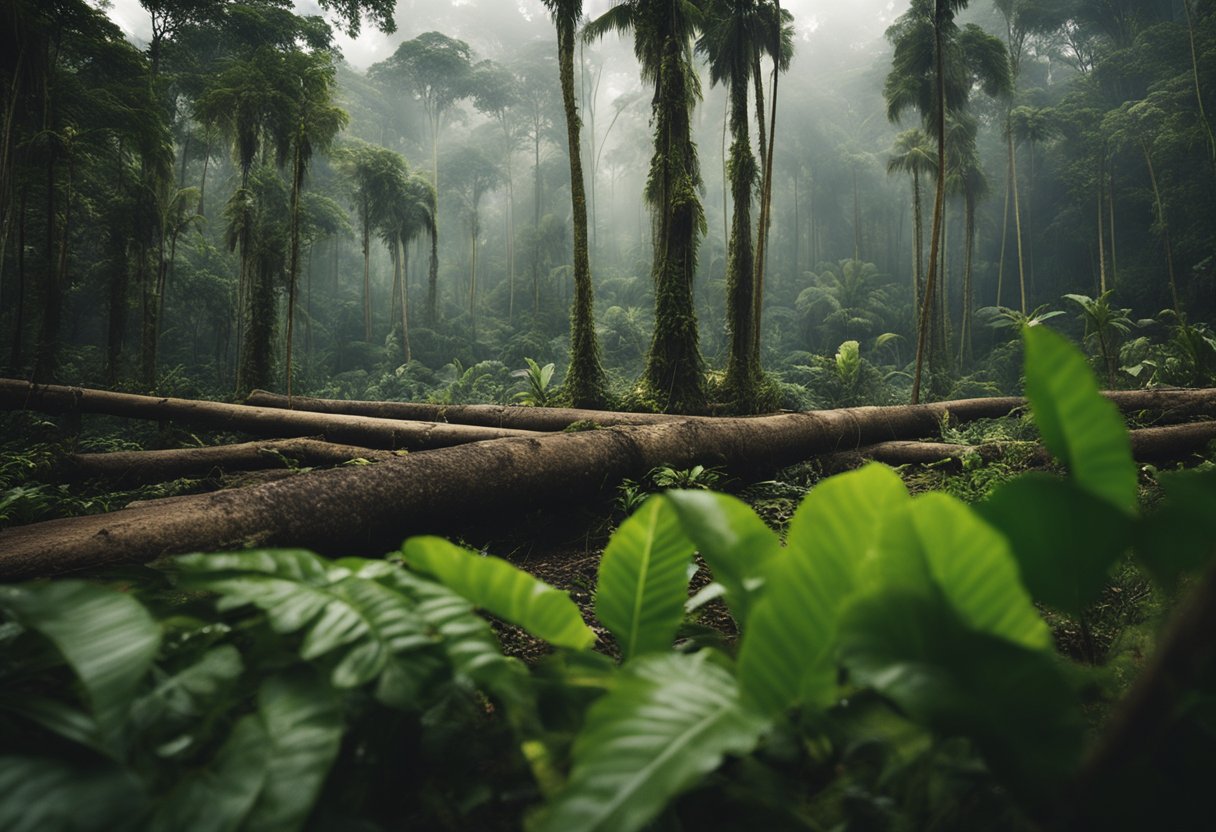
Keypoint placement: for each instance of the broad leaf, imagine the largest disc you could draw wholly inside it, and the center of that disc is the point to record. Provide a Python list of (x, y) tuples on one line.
[(788, 650), (40, 795), (1180, 537), (360, 622), (303, 724), (1080, 428), (642, 583), (1064, 538), (502, 590), (1015, 703), (107, 638), (667, 723), (732, 539), (937, 544)]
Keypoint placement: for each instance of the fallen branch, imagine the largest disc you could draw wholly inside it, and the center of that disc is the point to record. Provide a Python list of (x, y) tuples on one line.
[(141, 467), (1172, 442), (370, 509), (350, 430), (1166, 405)]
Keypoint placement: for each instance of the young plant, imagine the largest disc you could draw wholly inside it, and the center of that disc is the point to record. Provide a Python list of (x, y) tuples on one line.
[(538, 378)]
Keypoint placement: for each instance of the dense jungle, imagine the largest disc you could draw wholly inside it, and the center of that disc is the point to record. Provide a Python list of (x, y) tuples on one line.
[(777, 415)]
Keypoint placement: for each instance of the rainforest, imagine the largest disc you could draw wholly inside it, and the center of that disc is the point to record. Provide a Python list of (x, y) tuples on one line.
[(607, 415)]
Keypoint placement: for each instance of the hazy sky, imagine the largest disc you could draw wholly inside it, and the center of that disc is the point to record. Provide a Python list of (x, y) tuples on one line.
[(488, 24)]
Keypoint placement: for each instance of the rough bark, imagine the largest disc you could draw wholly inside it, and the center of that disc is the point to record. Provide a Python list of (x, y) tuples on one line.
[(370, 509), (1148, 445), (141, 467), (1167, 406), (352, 430)]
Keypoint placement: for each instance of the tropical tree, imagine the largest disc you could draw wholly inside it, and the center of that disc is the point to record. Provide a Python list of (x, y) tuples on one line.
[(472, 174), (662, 31), (935, 67), (410, 212), (914, 155), (1104, 324), (585, 381), (314, 123), (846, 300)]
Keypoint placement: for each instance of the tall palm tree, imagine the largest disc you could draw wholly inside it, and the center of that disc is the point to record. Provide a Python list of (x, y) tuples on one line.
[(409, 213), (662, 33), (585, 380), (914, 155), (966, 179), (315, 123), (933, 71), (731, 37)]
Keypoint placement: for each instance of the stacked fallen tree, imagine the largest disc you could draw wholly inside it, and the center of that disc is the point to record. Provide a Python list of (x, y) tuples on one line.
[(390, 434), (370, 509)]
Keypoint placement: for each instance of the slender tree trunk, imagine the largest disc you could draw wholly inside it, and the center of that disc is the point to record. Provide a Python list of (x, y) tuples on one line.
[(1203, 115), (16, 355), (964, 338), (766, 206), (725, 175), (367, 272), (202, 187), (918, 289), (1101, 236), (473, 272), (926, 308), (1165, 229), (743, 365), (432, 278), (856, 217), (1114, 263), (1017, 219), (1000, 272), (293, 263), (404, 258), (585, 380)]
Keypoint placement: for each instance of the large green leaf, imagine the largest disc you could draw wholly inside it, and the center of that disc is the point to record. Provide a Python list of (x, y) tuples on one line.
[(107, 638), (502, 590), (732, 539), (1015, 703), (45, 795), (217, 796), (361, 622), (173, 710), (1180, 536), (669, 721), (303, 723), (643, 579), (1083, 430), (1064, 538), (937, 544), (788, 650)]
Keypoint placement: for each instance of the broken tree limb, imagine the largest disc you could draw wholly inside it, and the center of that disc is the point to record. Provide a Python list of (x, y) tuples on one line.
[(1172, 442), (363, 431), (142, 467), (485, 415), (1166, 405)]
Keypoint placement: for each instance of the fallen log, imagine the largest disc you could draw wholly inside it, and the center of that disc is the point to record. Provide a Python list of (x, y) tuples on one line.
[(142, 467), (370, 509), (485, 415), (1160, 444), (390, 434), (1167, 406)]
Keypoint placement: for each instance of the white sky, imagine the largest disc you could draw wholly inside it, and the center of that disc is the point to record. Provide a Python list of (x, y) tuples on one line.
[(854, 19)]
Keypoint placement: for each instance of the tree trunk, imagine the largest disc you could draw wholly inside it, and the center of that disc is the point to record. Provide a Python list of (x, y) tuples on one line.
[(16, 356), (370, 509), (1017, 219), (293, 262), (131, 468), (743, 365), (1101, 236), (367, 272), (766, 205), (365, 431), (403, 259), (1165, 229)]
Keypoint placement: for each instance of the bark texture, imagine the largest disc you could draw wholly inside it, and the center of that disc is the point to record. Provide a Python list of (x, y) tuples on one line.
[(364, 431), (140, 467)]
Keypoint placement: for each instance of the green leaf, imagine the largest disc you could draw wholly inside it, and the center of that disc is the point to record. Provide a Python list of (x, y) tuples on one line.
[(1180, 536), (937, 544), (788, 650), (361, 622), (502, 590), (1065, 539), (642, 582), (667, 723), (1014, 703), (43, 795), (1080, 428), (107, 638), (218, 796), (302, 719), (732, 539)]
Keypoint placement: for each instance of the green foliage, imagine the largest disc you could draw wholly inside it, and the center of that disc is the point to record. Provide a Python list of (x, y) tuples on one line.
[(537, 378)]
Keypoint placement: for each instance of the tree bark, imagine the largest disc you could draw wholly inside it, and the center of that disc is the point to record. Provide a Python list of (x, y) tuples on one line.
[(369, 509), (143, 467), (354, 430)]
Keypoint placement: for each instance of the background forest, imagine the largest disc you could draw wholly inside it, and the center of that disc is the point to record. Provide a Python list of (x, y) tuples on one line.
[(196, 207)]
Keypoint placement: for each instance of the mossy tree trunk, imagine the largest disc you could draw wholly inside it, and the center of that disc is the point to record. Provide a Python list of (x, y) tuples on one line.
[(743, 366)]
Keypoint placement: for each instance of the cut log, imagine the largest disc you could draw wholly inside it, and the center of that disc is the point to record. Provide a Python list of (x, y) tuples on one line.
[(1166, 406), (1173, 442), (141, 467), (485, 415), (366, 432)]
